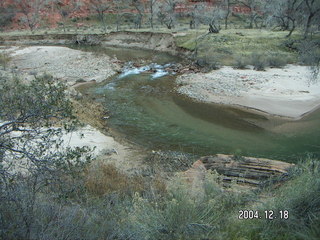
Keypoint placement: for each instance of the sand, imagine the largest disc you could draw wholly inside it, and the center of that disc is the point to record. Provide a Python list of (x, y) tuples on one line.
[(285, 92), (105, 147), (62, 63)]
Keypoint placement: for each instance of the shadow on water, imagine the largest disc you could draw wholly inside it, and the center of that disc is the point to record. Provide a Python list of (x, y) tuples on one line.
[(149, 112)]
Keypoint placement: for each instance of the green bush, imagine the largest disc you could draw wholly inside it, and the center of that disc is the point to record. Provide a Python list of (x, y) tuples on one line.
[(187, 212), (208, 63), (4, 60), (259, 61), (241, 62), (277, 60)]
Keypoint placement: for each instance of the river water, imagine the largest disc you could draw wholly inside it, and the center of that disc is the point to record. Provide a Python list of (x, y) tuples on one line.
[(146, 109)]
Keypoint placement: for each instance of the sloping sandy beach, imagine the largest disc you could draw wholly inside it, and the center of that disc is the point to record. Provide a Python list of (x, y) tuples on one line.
[(63, 63), (284, 92)]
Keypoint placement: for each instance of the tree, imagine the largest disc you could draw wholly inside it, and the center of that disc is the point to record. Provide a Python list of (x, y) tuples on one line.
[(288, 14), (100, 7), (152, 6), (30, 11), (65, 9), (196, 14), (311, 11), (254, 7), (284, 13), (139, 7), (211, 17), (166, 13), (32, 157), (6, 14), (118, 6), (227, 6), (309, 52)]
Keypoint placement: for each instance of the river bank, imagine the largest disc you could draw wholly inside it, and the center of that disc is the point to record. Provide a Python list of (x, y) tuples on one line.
[(285, 92), (161, 42), (75, 67), (62, 63), (151, 102)]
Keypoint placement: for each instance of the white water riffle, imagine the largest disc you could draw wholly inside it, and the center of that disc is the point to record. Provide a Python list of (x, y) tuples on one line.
[(156, 68)]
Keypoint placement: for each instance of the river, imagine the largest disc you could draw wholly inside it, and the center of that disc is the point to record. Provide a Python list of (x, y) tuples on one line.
[(146, 109)]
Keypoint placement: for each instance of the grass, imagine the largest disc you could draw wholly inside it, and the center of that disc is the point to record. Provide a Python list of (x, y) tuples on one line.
[(4, 60), (103, 179), (299, 196), (211, 212), (228, 45), (119, 206)]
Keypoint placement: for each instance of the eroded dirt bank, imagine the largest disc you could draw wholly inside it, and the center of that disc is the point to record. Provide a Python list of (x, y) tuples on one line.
[(163, 42)]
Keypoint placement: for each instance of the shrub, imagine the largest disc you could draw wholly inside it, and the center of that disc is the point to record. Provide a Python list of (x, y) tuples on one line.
[(300, 197), (208, 63), (7, 15), (185, 212), (170, 161), (277, 60), (102, 179), (309, 54), (259, 61), (4, 60), (240, 62)]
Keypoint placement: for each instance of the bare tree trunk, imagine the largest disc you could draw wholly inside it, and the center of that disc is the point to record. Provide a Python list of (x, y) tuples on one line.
[(103, 21), (292, 28), (213, 28), (151, 13), (118, 21), (227, 15), (64, 27), (308, 25)]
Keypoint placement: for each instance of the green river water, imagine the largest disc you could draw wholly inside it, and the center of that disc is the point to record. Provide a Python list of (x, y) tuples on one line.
[(149, 112)]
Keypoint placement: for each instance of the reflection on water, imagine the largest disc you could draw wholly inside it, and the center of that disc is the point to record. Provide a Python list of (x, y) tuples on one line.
[(148, 111)]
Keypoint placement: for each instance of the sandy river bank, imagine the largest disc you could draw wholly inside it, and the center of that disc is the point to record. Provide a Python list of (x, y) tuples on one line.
[(63, 63), (284, 92), (71, 66)]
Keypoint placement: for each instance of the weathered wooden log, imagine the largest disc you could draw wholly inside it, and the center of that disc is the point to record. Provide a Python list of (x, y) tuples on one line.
[(245, 170)]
